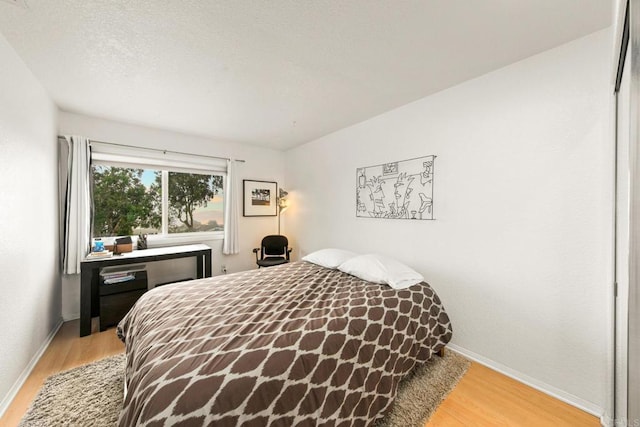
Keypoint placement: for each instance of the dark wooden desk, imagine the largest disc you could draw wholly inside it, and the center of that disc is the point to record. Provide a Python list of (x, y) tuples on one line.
[(90, 269)]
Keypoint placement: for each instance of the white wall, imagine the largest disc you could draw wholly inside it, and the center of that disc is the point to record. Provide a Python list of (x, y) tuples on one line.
[(260, 163), (29, 262), (520, 249)]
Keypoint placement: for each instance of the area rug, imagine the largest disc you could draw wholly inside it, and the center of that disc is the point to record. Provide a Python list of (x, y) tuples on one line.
[(420, 393), (91, 395)]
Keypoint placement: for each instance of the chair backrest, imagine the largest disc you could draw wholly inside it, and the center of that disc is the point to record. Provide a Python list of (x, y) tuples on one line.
[(274, 245)]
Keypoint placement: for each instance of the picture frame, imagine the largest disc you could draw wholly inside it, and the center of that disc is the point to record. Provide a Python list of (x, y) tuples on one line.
[(260, 198)]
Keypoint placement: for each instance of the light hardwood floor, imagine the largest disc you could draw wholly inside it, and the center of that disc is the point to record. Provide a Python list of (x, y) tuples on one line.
[(66, 351), (482, 398)]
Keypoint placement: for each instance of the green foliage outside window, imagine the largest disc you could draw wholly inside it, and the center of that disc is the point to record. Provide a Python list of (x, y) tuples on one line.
[(187, 193), (124, 205)]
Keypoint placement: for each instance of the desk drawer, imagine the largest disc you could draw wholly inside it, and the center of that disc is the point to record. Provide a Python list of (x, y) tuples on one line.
[(117, 299), (114, 307)]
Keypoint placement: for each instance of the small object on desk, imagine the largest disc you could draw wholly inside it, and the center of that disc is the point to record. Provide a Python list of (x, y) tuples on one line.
[(98, 246), (122, 245), (142, 241), (101, 254)]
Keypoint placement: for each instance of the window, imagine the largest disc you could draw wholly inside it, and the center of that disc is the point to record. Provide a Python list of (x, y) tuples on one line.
[(125, 202), (195, 202), (130, 201)]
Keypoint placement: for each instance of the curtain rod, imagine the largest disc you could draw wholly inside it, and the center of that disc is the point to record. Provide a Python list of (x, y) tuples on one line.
[(161, 151)]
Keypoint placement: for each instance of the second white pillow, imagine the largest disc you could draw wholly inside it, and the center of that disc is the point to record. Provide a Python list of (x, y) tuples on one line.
[(381, 269)]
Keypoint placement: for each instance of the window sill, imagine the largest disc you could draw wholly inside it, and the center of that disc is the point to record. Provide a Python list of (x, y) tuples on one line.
[(185, 238)]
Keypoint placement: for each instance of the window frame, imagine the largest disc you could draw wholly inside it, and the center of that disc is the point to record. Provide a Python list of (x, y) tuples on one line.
[(130, 157)]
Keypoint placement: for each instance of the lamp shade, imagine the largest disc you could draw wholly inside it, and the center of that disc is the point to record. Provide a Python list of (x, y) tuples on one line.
[(283, 203)]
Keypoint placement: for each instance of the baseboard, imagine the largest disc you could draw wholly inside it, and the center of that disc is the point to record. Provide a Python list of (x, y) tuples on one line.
[(532, 382), (13, 391), (69, 317)]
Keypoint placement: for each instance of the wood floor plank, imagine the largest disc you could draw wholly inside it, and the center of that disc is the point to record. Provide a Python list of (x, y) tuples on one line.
[(482, 398)]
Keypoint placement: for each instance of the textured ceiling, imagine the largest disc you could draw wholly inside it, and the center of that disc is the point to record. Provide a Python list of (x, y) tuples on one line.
[(276, 73)]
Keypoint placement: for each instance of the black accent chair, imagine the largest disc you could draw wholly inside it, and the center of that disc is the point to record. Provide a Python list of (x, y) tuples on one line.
[(274, 250)]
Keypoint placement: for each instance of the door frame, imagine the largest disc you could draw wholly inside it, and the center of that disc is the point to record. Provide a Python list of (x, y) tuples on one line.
[(631, 40)]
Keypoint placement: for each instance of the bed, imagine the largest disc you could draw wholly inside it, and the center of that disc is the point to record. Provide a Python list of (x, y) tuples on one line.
[(296, 344)]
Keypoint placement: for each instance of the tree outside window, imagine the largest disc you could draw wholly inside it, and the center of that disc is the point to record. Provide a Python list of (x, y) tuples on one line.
[(195, 202)]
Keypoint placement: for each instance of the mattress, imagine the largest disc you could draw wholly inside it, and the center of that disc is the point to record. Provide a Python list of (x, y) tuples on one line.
[(296, 344)]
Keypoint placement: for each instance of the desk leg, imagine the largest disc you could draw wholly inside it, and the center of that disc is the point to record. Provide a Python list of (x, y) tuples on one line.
[(85, 300), (199, 261), (204, 258), (207, 264)]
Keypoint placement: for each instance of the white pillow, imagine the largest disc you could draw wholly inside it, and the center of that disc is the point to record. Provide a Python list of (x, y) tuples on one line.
[(381, 269), (329, 258)]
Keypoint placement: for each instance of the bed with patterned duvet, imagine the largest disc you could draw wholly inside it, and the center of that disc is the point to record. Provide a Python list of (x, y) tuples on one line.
[(292, 345)]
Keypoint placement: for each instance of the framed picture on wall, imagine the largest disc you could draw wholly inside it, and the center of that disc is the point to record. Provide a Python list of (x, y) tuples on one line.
[(259, 198)]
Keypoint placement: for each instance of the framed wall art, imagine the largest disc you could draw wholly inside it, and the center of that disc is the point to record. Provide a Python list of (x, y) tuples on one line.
[(396, 190), (260, 198)]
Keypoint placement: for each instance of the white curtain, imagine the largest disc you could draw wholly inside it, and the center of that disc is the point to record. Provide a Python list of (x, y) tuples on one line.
[(77, 209), (231, 244)]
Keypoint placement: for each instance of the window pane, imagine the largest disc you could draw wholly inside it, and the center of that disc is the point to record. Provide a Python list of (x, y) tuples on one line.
[(195, 203), (126, 201)]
